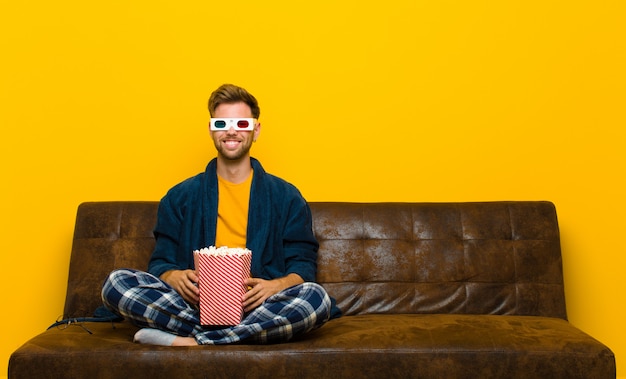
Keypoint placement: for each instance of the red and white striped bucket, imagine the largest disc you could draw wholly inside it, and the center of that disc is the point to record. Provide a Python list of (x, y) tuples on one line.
[(221, 281)]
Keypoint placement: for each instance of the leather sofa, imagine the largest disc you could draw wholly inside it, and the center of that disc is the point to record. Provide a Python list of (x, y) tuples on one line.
[(428, 290)]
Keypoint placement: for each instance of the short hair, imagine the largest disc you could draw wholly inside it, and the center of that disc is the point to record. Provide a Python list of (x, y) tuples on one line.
[(230, 93)]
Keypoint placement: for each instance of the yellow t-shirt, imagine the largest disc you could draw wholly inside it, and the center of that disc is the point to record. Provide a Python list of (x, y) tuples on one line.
[(232, 212)]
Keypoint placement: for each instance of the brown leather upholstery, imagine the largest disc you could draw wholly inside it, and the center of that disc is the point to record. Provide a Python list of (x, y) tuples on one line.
[(428, 290), (489, 258)]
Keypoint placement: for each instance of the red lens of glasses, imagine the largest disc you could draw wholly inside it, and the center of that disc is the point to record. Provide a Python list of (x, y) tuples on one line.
[(242, 124)]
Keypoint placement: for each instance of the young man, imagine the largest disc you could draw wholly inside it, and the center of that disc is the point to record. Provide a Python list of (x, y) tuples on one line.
[(234, 203)]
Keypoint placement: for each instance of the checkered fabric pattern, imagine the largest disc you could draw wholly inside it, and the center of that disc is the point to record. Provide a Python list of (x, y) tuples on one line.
[(147, 301)]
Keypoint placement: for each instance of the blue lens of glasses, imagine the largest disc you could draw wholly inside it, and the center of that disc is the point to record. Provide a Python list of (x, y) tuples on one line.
[(220, 124)]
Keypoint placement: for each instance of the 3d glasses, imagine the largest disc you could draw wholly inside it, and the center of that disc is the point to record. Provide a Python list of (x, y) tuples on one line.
[(239, 124)]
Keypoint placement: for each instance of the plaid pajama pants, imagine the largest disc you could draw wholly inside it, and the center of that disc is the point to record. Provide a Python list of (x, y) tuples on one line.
[(147, 301)]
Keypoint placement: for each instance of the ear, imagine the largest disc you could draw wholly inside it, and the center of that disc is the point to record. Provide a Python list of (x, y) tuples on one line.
[(257, 131)]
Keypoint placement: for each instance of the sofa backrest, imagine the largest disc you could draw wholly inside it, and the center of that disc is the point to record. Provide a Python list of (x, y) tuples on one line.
[(107, 236), (473, 258)]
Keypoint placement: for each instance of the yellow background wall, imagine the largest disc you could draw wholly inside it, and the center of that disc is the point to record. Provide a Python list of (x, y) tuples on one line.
[(401, 100)]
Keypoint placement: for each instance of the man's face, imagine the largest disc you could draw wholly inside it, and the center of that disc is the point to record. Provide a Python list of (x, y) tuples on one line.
[(232, 144)]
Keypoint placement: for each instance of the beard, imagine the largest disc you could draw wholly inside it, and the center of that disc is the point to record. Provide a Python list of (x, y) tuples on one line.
[(234, 155)]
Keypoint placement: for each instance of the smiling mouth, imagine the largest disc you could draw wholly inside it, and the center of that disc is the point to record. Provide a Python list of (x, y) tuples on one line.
[(232, 143)]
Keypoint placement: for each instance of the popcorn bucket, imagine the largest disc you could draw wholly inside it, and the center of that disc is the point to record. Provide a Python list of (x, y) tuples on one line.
[(221, 280)]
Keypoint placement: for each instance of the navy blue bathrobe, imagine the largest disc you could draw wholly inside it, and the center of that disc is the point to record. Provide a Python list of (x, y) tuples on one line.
[(279, 231)]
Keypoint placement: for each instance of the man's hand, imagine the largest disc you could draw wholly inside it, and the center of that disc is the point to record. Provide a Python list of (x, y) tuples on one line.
[(184, 282), (262, 289)]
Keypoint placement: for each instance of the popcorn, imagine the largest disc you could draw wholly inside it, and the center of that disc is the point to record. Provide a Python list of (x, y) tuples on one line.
[(221, 280), (222, 251)]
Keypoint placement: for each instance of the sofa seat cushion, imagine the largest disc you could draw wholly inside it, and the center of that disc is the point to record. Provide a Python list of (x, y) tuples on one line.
[(381, 345)]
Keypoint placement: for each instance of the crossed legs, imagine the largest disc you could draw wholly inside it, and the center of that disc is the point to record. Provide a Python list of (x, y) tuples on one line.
[(148, 302)]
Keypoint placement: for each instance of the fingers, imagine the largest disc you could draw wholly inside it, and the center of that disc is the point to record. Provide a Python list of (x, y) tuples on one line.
[(190, 291), (183, 281), (192, 276), (253, 302), (251, 282), (253, 299), (260, 290)]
